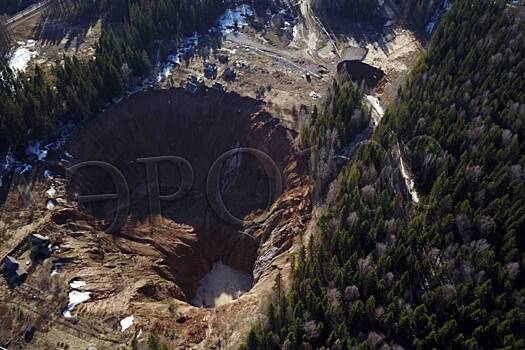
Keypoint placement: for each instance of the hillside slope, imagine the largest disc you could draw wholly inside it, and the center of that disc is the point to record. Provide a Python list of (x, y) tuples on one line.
[(447, 272)]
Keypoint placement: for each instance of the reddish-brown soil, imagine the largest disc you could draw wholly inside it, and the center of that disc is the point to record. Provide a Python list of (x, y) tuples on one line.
[(152, 268)]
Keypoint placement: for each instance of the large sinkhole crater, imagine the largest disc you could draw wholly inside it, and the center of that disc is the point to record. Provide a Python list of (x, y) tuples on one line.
[(211, 260)]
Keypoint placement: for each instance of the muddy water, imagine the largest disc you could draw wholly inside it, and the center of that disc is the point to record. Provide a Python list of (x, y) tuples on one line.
[(222, 285)]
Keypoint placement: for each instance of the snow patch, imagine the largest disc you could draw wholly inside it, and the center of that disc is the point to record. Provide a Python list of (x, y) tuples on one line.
[(50, 205), (126, 323), (52, 192), (175, 59), (75, 298), (77, 284), (376, 105), (410, 183), (56, 267), (25, 168), (226, 24), (22, 55), (235, 18), (35, 149), (314, 95)]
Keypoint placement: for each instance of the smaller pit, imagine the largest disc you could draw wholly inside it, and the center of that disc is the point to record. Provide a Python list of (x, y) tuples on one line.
[(361, 74)]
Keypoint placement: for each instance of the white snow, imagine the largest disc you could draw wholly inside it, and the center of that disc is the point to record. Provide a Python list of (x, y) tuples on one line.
[(47, 174), (8, 162), (56, 266), (222, 285), (410, 183), (314, 95), (21, 56), (295, 32), (5, 166), (40, 151), (241, 63), (77, 284), (35, 149), (52, 192), (50, 205), (376, 105), (430, 26), (165, 71), (175, 59), (225, 25), (25, 168), (237, 16), (75, 298), (126, 323)]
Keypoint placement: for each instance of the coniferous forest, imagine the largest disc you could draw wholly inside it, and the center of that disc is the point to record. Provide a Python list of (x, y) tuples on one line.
[(416, 11), (343, 116), (33, 106), (13, 6), (381, 270), (5, 38), (447, 272), (352, 8)]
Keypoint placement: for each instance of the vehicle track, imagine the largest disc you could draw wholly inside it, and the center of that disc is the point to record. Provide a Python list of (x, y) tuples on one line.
[(27, 13)]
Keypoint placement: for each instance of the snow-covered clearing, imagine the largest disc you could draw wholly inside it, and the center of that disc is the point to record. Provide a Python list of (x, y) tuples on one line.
[(22, 55)]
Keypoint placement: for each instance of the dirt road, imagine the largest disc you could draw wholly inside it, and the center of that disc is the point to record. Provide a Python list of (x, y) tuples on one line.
[(286, 57), (19, 17)]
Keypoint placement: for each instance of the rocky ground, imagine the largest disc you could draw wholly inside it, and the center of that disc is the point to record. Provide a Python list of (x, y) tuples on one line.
[(51, 38), (155, 269)]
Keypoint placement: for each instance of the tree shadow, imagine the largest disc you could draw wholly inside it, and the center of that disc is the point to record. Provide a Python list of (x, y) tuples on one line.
[(55, 29)]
